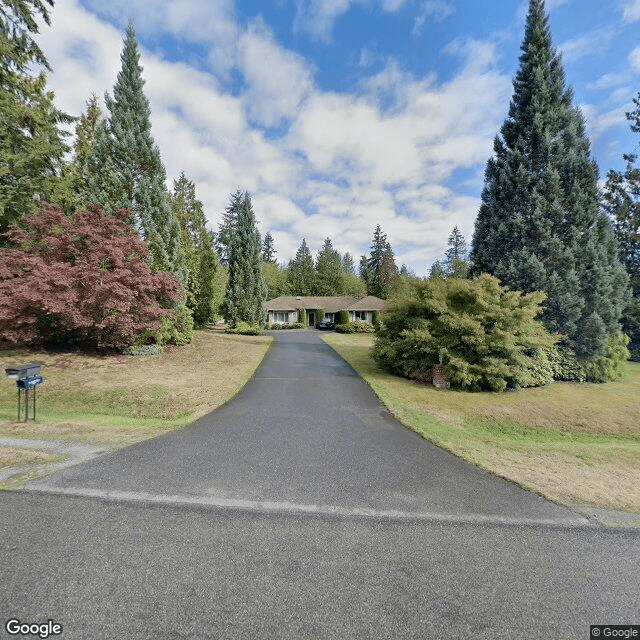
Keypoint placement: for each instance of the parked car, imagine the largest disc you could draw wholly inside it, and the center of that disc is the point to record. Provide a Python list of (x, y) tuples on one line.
[(326, 324)]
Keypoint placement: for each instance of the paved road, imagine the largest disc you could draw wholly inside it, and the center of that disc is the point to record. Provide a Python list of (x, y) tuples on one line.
[(301, 509), (305, 434)]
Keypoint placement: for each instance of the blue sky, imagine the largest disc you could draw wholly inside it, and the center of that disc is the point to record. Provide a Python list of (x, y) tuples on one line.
[(337, 115)]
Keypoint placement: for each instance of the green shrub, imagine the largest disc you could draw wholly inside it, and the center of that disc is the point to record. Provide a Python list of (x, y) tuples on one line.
[(487, 336), (297, 325), (343, 317), (244, 329), (302, 316), (345, 328), (360, 326), (320, 314), (375, 320), (144, 350), (275, 326), (611, 366)]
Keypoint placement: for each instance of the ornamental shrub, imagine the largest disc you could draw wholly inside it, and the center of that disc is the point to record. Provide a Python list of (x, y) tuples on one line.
[(360, 326), (244, 329), (345, 328), (320, 314), (487, 336), (85, 280), (343, 317), (302, 316)]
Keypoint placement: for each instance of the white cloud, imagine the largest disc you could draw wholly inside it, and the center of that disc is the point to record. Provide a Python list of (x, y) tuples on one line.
[(634, 59), (439, 9), (591, 43), (608, 81), (317, 17), (278, 79), (348, 160), (631, 11), (200, 21)]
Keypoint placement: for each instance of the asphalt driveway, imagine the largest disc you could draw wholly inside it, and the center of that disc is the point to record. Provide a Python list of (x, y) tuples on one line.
[(305, 434)]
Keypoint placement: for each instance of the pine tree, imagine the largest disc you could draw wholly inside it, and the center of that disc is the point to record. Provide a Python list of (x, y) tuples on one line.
[(31, 144), (329, 273), (268, 250), (226, 227), (301, 275), (455, 264), (197, 244), (381, 272), (621, 201), (246, 288), (125, 169), (539, 226), (69, 190)]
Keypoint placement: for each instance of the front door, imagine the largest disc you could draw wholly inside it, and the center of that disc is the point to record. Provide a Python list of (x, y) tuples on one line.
[(312, 318)]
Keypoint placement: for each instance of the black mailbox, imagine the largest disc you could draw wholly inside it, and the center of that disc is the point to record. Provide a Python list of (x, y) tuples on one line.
[(27, 376), (23, 371)]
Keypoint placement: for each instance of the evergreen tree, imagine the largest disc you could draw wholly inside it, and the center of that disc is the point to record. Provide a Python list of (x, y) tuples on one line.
[(246, 288), (226, 227), (348, 266), (539, 226), (69, 189), (268, 250), (329, 272), (125, 169), (380, 271), (31, 144), (455, 264), (621, 201), (197, 244), (301, 276)]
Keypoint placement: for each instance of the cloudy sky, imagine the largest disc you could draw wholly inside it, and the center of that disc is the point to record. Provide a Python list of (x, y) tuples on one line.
[(337, 115)]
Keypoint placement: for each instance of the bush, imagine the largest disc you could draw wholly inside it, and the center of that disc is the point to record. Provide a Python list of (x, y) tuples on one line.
[(302, 316), (375, 320), (343, 317), (276, 326), (320, 314), (486, 335), (360, 326), (83, 279), (144, 350), (298, 325), (345, 328), (244, 329)]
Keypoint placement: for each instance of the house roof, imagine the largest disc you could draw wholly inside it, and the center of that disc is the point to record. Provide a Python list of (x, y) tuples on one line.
[(330, 304), (370, 303)]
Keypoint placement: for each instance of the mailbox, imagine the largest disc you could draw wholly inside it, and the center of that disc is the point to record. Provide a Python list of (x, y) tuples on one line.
[(23, 371), (27, 376)]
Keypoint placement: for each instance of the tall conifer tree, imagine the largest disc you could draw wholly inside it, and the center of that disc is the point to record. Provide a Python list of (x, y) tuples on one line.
[(203, 296), (329, 273), (246, 288), (539, 226), (622, 204), (301, 276), (125, 168), (31, 144)]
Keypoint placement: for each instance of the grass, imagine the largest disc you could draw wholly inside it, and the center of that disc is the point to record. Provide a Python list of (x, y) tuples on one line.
[(118, 400), (577, 444)]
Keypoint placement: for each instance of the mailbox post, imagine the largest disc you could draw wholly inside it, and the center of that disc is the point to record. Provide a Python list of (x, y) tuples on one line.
[(27, 376)]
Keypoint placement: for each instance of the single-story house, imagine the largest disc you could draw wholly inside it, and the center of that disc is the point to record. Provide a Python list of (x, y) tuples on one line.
[(284, 310)]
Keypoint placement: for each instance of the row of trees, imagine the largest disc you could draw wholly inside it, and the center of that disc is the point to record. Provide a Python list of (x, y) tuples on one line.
[(332, 274)]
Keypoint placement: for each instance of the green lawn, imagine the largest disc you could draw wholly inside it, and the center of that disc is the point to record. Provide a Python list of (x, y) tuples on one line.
[(576, 444)]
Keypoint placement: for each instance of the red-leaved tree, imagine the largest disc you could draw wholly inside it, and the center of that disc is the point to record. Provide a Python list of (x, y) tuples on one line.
[(83, 279)]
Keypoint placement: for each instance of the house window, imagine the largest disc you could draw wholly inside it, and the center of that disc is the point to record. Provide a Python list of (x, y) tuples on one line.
[(361, 315), (281, 317)]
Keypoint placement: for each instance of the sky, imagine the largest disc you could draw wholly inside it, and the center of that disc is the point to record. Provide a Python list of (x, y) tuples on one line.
[(338, 115)]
